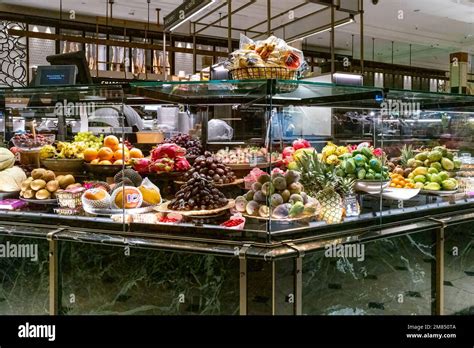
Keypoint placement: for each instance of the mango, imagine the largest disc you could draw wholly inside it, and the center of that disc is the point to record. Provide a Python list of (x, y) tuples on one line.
[(420, 171), (432, 170), (423, 156), (436, 178), (419, 185), (432, 186), (457, 163), (420, 178), (437, 165), (450, 184), (444, 175), (447, 163), (435, 156)]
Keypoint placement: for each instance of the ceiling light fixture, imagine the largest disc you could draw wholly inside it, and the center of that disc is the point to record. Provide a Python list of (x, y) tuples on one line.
[(192, 15), (323, 30)]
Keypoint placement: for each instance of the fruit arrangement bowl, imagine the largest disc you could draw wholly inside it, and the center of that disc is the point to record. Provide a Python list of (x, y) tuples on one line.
[(103, 169), (439, 192), (64, 165), (401, 194), (371, 186), (164, 208), (30, 142)]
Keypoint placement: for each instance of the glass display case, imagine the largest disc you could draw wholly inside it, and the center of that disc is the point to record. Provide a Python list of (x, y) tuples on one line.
[(274, 181)]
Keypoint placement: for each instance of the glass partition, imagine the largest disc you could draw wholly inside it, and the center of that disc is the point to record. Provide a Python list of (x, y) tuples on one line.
[(238, 159)]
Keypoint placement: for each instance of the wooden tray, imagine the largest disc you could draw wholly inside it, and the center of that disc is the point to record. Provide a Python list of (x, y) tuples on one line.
[(281, 221), (236, 182), (163, 208), (103, 169), (246, 166), (111, 211)]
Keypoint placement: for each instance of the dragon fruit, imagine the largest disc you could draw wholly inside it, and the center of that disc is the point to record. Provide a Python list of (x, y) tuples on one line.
[(141, 165), (162, 165), (301, 144), (181, 164), (167, 150)]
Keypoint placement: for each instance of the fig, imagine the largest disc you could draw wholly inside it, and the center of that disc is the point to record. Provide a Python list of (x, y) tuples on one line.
[(286, 195), (264, 211), (256, 186), (249, 195), (240, 204), (268, 189), (295, 198), (296, 187), (262, 179), (252, 208), (259, 197), (292, 177), (276, 200), (296, 210), (279, 183), (282, 211)]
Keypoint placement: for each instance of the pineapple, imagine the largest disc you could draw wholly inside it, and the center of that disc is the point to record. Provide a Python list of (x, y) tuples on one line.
[(407, 154), (320, 181)]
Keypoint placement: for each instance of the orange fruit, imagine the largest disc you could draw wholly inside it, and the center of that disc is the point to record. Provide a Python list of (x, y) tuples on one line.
[(136, 153), (96, 161), (119, 155), (111, 141), (118, 162), (105, 154), (90, 155), (105, 163)]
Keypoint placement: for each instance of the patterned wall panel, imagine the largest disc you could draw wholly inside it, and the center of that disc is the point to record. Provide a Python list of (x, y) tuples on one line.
[(13, 65)]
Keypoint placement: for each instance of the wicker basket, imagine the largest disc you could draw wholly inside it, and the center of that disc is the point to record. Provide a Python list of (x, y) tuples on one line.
[(69, 200), (255, 73)]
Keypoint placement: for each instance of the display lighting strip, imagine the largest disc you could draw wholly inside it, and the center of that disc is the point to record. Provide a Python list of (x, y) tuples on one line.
[(193, 15), (338, 25)]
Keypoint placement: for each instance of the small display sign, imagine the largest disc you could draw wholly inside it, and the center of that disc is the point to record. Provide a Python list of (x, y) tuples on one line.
[(56, 75)]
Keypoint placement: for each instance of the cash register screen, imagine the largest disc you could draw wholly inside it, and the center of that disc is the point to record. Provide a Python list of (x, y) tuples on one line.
[(57, 75)]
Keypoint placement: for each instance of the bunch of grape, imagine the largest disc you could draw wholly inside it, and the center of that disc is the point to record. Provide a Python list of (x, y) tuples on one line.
[(90, 140), (192, 145)]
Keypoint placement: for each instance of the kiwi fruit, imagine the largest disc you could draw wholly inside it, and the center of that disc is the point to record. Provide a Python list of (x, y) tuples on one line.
[(48, 176), (52, 186), (38, 173), (28, 194), (66, 181), (38, 184), (25, 185), (73, 186), (43, 194)]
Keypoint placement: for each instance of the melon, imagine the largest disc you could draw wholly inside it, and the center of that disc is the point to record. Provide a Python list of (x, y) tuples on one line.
[(127, 197), (7, 158), (96, 198), (11, 179)]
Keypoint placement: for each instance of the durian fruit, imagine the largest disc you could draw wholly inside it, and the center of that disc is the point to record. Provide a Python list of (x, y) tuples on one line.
[(96, 198), (131, 174)]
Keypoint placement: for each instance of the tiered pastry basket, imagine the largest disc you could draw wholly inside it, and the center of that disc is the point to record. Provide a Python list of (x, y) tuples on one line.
[(268, 73), (262, 73)]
